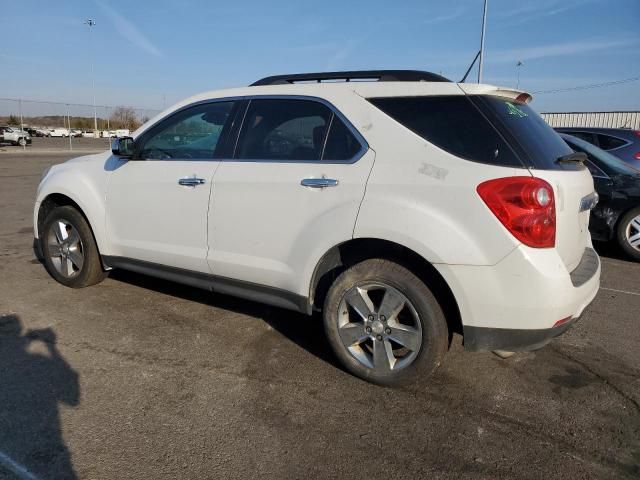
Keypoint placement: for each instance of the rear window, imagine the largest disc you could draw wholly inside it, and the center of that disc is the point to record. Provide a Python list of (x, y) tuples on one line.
[(536, 143), (452, 123), (607, 142)]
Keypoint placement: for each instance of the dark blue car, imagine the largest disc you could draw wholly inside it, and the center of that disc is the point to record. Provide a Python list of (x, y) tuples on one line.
[(624, 143)]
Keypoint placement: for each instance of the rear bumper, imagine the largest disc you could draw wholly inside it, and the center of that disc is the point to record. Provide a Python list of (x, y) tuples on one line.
[(515, 304), (481, 339)]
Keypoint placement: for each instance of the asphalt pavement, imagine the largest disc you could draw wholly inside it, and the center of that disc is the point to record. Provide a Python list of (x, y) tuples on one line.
[(144, 379)]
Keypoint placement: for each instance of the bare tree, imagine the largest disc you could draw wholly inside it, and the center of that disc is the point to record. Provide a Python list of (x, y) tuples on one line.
[(124, 117)]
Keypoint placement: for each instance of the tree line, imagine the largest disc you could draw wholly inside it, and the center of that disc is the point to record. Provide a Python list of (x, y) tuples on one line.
[(121, 117)]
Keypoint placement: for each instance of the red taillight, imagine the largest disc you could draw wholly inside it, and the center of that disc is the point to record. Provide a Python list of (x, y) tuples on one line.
[(637, 132), (637, 156), (525, 206)]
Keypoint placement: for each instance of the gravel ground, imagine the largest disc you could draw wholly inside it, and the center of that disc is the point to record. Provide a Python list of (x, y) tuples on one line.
[(144, 379)]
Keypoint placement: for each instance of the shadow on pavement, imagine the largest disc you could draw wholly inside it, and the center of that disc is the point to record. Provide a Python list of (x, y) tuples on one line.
[(307, 332), (32, 385)]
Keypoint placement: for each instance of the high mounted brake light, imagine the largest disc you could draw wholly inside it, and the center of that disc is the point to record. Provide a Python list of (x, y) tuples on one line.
[(525, 206)]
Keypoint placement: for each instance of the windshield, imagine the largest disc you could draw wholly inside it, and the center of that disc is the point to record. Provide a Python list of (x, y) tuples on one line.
[(602, 159), (536, 142)]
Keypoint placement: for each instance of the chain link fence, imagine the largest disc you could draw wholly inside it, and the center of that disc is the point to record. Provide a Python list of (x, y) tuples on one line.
[(72, 120)]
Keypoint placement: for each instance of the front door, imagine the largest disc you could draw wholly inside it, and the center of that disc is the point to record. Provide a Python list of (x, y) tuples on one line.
[(157, 202)]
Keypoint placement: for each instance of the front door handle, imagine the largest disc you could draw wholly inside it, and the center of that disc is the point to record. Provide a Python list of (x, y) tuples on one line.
[(319, 182), (191, 181)]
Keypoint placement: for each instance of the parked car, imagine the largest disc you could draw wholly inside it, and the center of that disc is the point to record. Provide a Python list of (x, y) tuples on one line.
[(14, 136), (454, 227), (76, 133), (121, 132), (58, 132), (624, 143), (88, 134), (617, 216)]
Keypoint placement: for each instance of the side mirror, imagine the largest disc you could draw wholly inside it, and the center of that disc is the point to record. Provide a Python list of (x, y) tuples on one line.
[(123, 147)]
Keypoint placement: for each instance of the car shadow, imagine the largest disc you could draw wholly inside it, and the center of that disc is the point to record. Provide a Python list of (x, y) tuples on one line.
[(305, 331), (34, 380)]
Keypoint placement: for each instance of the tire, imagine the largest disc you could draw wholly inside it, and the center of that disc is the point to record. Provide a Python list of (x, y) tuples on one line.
[(628, 234), (372, 348), (74, 261), (22, 142)]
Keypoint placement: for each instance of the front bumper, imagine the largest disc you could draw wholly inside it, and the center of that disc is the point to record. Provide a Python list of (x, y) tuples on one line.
[(515, 304)]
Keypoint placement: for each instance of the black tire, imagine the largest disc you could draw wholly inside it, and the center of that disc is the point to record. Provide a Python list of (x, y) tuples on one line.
[(621, 234), (91, 271), (22, 142), (433, 326)]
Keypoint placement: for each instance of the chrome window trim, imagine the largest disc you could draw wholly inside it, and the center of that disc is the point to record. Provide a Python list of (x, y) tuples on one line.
[(364, 145), (626, 142)]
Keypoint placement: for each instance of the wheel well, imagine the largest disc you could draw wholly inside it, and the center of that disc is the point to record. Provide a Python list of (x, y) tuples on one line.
[(53, 201), (342, 256)]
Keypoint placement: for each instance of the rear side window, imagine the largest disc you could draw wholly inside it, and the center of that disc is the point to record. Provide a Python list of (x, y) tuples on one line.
[(536, 143), (283, 130), (452, 123), (341, 144), (586, 136), (294, 130), (607, 142)]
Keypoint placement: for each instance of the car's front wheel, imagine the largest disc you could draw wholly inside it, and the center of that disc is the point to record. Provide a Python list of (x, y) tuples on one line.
[(69, 249), (384, 324), (628, 233), (22, 141)]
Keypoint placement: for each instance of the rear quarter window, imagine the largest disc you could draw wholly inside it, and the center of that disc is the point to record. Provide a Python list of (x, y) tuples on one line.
[(454, 124)]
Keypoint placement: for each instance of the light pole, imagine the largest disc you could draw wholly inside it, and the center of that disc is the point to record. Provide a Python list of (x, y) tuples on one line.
[(484, 22), (90, 23), (518, 65)]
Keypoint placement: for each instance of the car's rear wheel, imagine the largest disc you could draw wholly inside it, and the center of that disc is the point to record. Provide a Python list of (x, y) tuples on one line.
[(384, 324), (69, 249), (628, 234), (22, 142)]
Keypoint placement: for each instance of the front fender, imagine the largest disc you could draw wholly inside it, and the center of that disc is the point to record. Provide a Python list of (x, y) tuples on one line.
[(85, 184)]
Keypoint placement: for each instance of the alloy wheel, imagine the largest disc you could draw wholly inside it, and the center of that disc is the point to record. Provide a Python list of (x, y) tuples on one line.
[(65, 248), (632, 233), (379, 326)]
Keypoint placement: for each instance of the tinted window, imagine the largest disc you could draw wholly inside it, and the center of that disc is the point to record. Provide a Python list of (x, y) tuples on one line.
[(600, 158), (192, 133), (452, 123), (341, 144), (607, 142), (283, 130), (534, 140), (586, 136)]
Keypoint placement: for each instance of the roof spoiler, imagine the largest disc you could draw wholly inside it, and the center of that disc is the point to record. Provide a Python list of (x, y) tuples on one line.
[(518, 96)]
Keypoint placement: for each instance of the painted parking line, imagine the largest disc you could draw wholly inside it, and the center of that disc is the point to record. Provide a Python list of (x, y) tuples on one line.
[(620, 291), (15, 468)]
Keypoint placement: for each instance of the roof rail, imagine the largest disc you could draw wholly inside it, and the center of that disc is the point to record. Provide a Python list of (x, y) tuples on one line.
[(358, 75)]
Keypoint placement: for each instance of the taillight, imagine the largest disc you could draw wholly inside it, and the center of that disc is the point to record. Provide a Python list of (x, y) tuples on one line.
[(637, 156), (525, 206), (637, 132)]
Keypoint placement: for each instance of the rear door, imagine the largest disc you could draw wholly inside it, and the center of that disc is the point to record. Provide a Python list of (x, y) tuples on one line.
[(291, 191), (540, 147)]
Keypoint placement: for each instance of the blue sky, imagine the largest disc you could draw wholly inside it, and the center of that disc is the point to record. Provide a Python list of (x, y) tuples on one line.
[(148, 53)]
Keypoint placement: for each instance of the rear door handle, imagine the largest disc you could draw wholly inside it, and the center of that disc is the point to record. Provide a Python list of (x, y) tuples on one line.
[(319, 182), (191, 181)]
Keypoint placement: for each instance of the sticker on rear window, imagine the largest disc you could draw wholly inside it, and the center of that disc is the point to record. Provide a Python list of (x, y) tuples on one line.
[(514, 110)]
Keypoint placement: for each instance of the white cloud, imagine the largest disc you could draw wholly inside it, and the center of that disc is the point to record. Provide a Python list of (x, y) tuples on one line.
[(555, 50), (128, 30)]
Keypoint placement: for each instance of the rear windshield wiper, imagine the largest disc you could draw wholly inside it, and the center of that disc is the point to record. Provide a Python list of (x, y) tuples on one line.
[(573, 157)]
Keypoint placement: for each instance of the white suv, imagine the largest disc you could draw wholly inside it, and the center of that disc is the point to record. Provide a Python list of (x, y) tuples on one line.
[(403, 206)]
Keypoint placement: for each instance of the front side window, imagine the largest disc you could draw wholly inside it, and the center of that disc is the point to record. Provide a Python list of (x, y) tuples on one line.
[(192, 133)]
